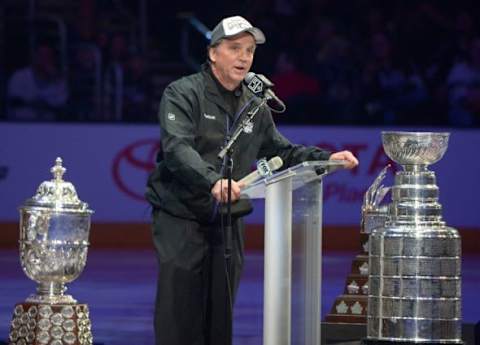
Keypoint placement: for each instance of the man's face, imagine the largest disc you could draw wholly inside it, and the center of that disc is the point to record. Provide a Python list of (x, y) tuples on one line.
[(232, 59)]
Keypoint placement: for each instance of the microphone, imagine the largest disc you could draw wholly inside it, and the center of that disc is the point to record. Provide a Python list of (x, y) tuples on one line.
[(259, 85), (264, 169)]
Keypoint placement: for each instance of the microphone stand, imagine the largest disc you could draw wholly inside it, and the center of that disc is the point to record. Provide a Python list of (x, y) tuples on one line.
[(248, 119), (226, 153)]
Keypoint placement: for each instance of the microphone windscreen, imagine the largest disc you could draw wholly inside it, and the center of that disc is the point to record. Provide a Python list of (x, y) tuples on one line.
[(275, 163), (249, 77)]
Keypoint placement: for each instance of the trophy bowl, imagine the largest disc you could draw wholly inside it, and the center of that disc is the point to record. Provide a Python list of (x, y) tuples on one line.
[(53, 245), (415, 148)]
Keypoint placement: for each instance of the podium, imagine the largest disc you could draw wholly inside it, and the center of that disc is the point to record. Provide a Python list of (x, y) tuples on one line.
[(293, 252)]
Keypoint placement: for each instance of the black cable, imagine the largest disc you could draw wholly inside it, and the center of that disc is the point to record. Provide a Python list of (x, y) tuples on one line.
[(225, 265), (227, 232)]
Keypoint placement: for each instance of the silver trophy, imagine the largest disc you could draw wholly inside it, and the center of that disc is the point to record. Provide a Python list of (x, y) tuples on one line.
[(54, 232), (414, 259)]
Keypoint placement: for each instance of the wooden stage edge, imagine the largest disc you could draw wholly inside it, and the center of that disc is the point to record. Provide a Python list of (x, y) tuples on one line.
[(138, 236)]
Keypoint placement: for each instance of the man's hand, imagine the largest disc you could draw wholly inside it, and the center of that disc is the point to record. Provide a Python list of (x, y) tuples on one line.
[(352, 162), (220, 190)]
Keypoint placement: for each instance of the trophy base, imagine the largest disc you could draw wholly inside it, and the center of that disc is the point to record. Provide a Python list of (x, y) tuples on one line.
[(396, 342), (351, 306), (51, 299), (57, 324)]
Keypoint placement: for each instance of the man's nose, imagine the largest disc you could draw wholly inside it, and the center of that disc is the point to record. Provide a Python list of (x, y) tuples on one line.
[(244, 55)]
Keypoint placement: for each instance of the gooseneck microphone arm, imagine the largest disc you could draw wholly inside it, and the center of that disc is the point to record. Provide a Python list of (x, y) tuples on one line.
[(261, 86), (241, 127)]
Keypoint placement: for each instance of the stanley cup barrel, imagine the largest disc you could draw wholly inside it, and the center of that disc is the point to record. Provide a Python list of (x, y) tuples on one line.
[(414, 260), (54, 231)]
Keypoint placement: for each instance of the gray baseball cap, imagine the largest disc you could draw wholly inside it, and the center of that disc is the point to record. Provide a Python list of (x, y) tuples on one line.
[(233, 26)]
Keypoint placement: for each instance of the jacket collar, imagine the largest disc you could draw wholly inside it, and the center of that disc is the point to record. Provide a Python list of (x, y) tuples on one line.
[(212, 92)]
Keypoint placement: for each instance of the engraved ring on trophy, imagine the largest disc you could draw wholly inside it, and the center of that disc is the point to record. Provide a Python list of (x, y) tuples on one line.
[(54, 232), (414, 259)]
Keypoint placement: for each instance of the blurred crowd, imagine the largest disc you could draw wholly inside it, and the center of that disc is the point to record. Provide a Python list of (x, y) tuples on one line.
[(97, 74), (376, 62), (356, 62), (83, 90)]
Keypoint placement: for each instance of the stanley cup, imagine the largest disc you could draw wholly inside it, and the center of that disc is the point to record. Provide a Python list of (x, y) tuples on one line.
[(54, 231), (414, 258)]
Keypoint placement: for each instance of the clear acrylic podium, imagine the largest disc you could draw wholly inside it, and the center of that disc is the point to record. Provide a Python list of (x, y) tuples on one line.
[(293, 252)]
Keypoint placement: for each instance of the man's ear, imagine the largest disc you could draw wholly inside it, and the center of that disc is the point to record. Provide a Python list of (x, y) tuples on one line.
[(212, 54)]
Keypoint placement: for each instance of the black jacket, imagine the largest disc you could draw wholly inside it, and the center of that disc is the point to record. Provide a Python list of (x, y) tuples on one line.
[(193, 121)]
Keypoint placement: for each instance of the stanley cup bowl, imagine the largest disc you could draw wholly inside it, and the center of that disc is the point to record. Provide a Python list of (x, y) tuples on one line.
[(415, 148), (54, 232)]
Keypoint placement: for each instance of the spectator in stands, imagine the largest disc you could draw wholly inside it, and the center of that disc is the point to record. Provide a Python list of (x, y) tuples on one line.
[(85, 83), (299, 90), (464, 32), (37, 92), (337, 73), (137, 95), (113, 78), (422, 30), (457, 48), (464, 89), (376, 21), (391, 92)]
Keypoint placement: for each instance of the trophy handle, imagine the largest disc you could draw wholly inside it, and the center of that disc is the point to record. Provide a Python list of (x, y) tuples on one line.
[(376, 192)]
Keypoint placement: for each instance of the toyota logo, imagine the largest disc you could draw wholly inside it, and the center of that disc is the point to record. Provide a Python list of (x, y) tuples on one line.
[(132, 165)]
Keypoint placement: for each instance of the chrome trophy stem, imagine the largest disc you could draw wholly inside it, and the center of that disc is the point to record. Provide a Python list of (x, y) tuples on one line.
[(51, 289), (51, 293)]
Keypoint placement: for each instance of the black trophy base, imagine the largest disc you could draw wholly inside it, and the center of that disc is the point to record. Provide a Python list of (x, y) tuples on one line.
[(396, 342)]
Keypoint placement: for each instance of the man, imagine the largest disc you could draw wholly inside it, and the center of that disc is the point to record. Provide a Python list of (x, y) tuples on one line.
[(37, 92), (193, 304)]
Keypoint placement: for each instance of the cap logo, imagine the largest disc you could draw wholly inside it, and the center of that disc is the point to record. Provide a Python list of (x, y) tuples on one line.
[(234, 25)]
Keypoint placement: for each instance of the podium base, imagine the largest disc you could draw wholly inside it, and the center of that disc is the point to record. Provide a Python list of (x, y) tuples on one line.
[(54, 324)]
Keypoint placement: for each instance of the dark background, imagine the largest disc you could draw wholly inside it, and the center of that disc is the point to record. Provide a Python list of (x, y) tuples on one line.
[(355, 62)]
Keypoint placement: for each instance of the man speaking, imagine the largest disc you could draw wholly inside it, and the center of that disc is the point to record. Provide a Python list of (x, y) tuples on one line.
[(198, 113)]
